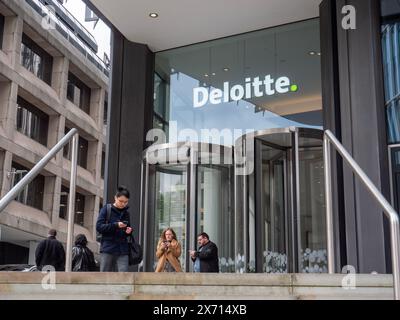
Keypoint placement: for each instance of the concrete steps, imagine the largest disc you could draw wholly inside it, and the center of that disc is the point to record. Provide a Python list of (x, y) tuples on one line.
[(190, 286)]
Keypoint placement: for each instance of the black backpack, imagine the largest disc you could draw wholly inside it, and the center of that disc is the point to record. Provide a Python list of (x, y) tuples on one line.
[(108, 216)]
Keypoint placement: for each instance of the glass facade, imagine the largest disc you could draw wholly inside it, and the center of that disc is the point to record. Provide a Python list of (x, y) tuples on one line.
[(259, 80), (209, 96), (391, 69)]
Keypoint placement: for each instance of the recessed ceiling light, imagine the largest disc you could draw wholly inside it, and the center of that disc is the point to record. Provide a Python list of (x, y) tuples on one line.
[(206, 75), (319, 53), (226, 69), (312, 53), (153, 15), (213, 73)]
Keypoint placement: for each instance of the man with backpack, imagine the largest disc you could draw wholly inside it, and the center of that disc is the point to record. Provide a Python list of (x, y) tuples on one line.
[(114, 227)]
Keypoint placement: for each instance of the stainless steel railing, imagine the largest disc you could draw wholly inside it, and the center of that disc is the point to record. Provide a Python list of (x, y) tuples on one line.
[(329, 138), (13, 193)]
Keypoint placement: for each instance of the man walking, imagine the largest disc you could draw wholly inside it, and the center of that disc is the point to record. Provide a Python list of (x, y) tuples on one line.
[(50, 252), (206, 258)]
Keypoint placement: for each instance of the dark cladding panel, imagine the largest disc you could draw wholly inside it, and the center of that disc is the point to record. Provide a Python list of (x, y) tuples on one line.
[(353, 98), (129, 118)]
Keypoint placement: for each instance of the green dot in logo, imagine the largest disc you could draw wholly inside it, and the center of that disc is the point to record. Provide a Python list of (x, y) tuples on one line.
[(294, 87)]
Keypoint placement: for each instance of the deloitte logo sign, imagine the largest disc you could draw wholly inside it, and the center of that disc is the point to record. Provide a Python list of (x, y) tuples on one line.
[(253, 88)]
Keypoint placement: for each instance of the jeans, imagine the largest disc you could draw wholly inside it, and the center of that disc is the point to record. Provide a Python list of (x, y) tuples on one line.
[(111, 263)]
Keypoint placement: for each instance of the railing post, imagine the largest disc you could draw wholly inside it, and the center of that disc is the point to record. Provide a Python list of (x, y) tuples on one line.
[(328, 204), (395, 243), (71, 203)]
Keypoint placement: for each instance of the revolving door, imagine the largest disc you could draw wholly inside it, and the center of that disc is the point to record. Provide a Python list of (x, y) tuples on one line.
[(279, 204), (267, 218), (188, 187)]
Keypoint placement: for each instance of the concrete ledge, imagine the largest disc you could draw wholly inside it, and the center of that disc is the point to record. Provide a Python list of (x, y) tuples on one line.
[(191, 286)]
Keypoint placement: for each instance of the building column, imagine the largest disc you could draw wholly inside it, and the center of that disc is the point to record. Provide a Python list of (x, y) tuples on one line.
[(353, 107), (32, 250), (97, 106), (8, 107), (91, 209), (59, 78), (130, 115), (212, 204), (12, 38), (52, 195), (5, 168)]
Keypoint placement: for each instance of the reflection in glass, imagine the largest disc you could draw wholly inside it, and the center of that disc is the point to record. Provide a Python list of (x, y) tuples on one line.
[(171, 207), (274, 251), (215, 214), (253, 81), (313, 255)]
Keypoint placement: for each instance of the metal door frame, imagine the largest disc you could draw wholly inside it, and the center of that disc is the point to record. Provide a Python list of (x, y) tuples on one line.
[(194, 152), (292, 190)]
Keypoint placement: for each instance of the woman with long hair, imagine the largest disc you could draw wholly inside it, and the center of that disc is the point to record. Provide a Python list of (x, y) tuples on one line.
[(168, 252)]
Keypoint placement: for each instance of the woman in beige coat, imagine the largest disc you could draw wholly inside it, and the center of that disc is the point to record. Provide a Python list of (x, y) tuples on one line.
[(168, 252)]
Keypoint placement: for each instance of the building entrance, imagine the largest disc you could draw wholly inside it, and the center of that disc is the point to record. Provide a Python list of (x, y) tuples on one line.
[(269, 218), (280, 202)]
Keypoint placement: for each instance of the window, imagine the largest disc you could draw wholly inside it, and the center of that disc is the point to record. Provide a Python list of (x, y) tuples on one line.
[(78, 93), (82, 150), (2, 21), (103, 163), (160, 115), (36, 60), (32, 195), (31, 121), (79, 206), (105, 115)]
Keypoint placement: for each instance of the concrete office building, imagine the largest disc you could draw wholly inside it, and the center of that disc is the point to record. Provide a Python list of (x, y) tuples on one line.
[(278, 73), (50, 81)]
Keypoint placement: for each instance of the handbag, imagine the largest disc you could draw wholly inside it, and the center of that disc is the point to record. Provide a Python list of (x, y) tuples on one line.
[(135, 251)]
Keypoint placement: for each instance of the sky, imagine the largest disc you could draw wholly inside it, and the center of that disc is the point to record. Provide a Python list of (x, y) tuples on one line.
[(101, 32)]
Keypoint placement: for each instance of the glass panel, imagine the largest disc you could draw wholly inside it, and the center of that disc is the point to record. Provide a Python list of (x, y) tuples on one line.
[(170, 207), (214, 212), (313, 255), (32, 195), (274, 252), (159, 96), (251, 262), (78, 93), (79, 206), (31, 121), (393, 121), (31, 61), (258, 80), (240, 231)]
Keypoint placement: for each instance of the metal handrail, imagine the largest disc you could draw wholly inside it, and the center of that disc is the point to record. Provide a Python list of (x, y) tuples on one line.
[(35, 171), (329, 138)]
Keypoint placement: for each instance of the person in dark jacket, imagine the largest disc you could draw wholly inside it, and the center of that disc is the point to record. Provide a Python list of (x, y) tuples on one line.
[(50, 252), (82, 256), (114, 249), (206, 258)]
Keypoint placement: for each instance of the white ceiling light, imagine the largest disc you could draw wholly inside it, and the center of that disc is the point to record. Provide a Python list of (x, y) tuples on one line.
[(153, 15)]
